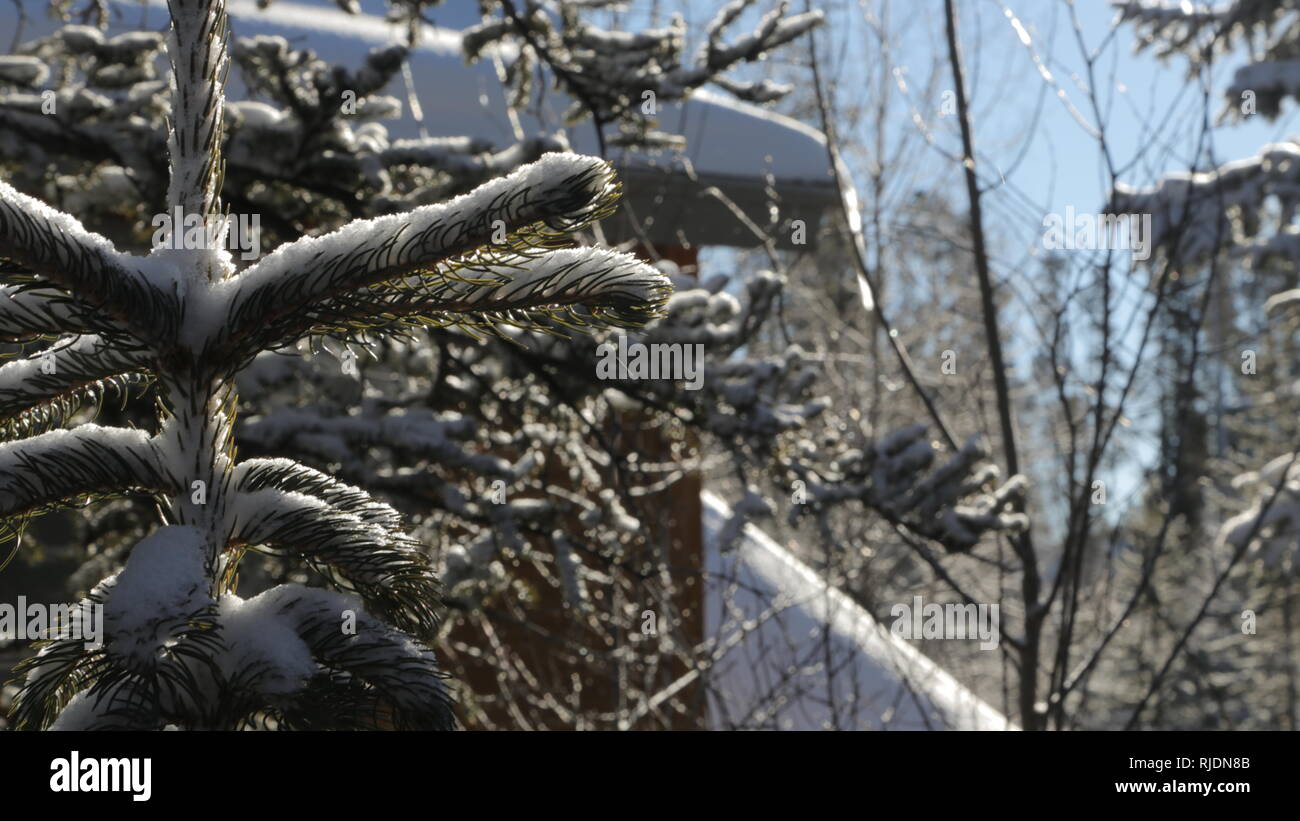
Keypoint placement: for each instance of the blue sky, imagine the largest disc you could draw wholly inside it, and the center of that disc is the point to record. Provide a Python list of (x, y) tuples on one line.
[(1038, 134), (1062, 166)]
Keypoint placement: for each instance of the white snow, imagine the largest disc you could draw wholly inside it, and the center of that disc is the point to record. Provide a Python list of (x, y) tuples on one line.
[(23, 70), (163, 583), (256, 114), (25, 311), (1275, 533), (1200, 212), (261, 642), (772, 659), (80, 712), (345, 439), (16, 373)]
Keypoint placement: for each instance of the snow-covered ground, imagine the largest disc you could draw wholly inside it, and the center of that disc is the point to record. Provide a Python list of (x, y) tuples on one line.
[(769, 613)]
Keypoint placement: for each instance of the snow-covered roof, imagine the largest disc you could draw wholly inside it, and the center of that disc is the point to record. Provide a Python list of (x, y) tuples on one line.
[(767, 611), (740, 148)]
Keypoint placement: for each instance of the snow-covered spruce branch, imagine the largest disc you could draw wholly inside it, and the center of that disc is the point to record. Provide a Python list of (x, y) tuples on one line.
[(281, 655), (102, 102), (28, 312), (196, 48), (382, 563), (317, 139), (43, 391), (467, 158), (89, 460), (381, 680), (181, 648), (317, 432), (1270, 522), (54, 246), (299, 81), (276, 301), (742, 399), (253, 475), (585, 288), (1229, 206)]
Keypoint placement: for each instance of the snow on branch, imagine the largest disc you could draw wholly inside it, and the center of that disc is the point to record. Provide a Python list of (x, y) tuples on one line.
[(377, 676), (953, 503), (583, 288), (1194, 28), (1270, 523), (1267, 83), (1195, 215), (289, 658), (121, 704), (252, 475), (197, 50), (89, 460), (32, 311), (159, 637), (43, 390), (609, 72), (54, 245), (748, 397), (313, 136), (384, 565), (466, 158), (298, 80), (161, 593), (346, 439), (1202, 31), (271, 302)]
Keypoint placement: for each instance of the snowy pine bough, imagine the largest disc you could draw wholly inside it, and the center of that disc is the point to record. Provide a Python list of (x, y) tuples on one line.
[(181, 647), (623, 77)]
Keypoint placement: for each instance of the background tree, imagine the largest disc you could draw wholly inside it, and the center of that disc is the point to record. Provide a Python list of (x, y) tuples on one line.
[(1140, 600)]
